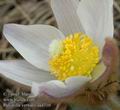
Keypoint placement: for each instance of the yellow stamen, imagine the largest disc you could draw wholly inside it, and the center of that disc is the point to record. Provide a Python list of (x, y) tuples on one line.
[(79, 56)]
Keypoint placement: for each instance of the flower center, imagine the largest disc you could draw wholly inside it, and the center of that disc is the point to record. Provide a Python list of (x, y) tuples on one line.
[(73, 56)]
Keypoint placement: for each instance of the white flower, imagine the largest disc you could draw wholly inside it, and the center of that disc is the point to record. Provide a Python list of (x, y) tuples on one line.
[(94, 17)]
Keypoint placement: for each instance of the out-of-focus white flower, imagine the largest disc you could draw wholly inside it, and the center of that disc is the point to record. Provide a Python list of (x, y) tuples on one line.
[(36, 42)]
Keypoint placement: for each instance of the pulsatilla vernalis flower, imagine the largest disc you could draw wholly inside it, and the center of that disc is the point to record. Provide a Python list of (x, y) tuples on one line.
[(71, 59)]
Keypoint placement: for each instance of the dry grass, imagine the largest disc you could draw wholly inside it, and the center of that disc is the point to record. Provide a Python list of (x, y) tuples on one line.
[(22, 12)]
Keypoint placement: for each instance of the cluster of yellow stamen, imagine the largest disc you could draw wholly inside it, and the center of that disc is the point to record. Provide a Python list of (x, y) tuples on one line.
[(79, 57)]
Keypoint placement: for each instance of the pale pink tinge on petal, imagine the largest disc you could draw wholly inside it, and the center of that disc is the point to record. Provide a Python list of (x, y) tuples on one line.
[(111, 61), (59, 89)]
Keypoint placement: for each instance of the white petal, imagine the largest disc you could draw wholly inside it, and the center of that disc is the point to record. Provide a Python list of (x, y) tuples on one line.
[(59, 89), (23, 72), (66, 15), (96, 17), (98, 71), (32, 41)]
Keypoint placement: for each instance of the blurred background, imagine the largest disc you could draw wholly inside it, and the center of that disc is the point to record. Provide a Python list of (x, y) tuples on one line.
[(32, 12)]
